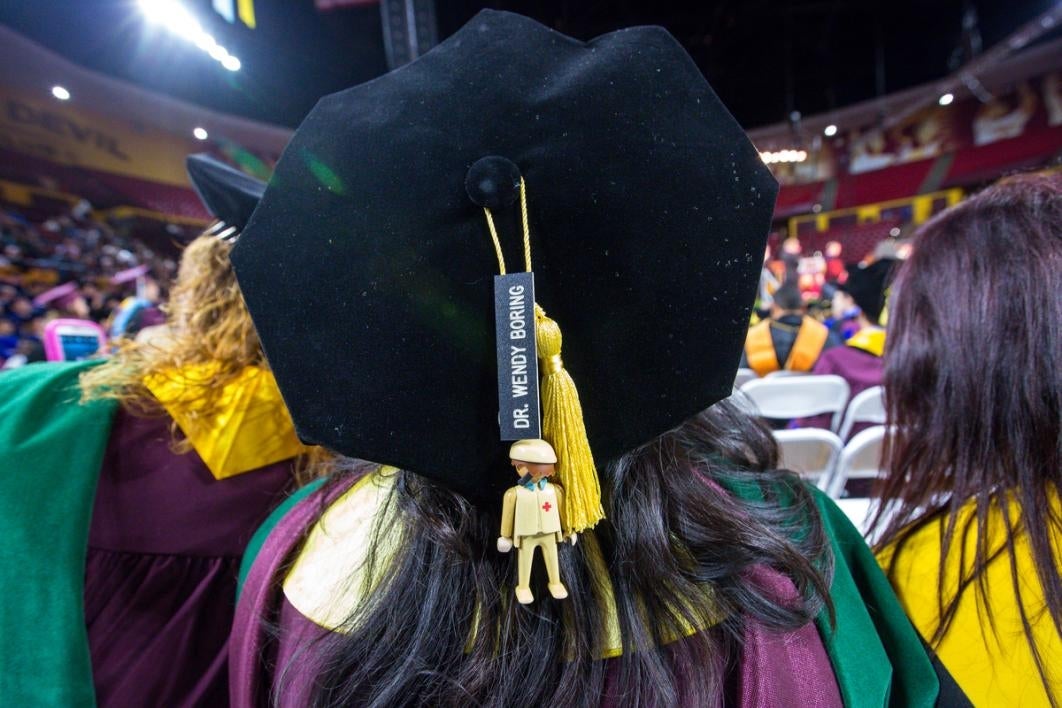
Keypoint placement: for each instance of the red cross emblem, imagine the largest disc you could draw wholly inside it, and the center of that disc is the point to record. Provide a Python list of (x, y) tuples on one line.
[(547, 506)]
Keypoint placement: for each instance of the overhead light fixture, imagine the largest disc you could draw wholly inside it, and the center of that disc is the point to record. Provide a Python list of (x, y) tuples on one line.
[(830, 130), (783, 156), (173, 17), (946, 99), (61, 93), (200, 133), (205, 42)]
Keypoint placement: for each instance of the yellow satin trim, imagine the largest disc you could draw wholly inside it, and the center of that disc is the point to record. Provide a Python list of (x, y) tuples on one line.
[(331, 577), (869, 339), (251, 430), (993, 668)]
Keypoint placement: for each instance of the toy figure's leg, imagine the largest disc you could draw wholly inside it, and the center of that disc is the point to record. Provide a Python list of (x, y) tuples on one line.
[(525, 556), (549, 554)]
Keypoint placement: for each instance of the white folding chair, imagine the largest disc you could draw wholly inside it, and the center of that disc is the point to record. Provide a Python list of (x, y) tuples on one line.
[(860, 459), (859, 511), (743, 377), (865, 407), (811, 452), (788, 397), (785, 372)]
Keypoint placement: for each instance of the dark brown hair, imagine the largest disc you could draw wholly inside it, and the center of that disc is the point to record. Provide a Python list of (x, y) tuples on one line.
[(681, 552), (973, 388)]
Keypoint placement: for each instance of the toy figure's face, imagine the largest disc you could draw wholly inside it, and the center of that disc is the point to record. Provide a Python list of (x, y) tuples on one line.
[(537, 470)]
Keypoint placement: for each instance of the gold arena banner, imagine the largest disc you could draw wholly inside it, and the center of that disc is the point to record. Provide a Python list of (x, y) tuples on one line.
[(68, 135), (916, 210)]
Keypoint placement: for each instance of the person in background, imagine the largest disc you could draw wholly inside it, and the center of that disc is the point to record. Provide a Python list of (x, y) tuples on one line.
[(856, 307), (765, 290), (834, 264), (8, 339), (21, 311), (125, 517), (790, 340), (971, 518), (791, 252), (138, 311), (858, 303)]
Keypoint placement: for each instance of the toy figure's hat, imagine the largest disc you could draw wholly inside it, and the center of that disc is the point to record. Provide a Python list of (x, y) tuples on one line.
[(536, 451), (368, 264)]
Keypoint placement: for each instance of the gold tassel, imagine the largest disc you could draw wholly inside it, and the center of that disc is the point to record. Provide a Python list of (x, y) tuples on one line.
[(563, 427)]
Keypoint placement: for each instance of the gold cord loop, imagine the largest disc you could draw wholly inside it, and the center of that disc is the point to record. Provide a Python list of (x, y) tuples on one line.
[(527, 232)]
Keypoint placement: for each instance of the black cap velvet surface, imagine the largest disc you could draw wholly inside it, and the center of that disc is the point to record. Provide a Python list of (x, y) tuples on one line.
[(368, 265), (227, 193)]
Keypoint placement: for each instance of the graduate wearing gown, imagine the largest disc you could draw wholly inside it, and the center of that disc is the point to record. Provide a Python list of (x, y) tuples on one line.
[(857, 308), (699, 574), (130, 488), (972, 534)]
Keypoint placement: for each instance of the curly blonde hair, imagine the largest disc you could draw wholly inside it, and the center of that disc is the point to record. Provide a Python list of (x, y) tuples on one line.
[(207, 323)]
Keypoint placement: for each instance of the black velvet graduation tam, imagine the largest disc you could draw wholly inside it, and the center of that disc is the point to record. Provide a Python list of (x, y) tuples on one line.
[(867, 286), (227, 193), (368, 265)]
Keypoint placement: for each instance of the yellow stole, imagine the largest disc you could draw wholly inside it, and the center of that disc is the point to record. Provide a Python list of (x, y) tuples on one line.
[(250, 429), (869, 339), (990, 660)]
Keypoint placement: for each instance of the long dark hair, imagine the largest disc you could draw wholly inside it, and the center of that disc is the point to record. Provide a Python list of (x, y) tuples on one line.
[(681, 553), (973, 388)]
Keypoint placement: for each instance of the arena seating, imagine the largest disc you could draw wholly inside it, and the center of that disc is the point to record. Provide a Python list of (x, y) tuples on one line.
[(812, 452), (865, 407), (860, 459), (789, 397)]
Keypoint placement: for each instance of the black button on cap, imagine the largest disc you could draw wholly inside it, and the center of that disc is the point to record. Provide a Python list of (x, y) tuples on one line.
[(493, 182)]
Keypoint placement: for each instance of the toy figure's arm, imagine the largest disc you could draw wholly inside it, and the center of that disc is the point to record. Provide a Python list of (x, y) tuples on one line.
[(505, 537)]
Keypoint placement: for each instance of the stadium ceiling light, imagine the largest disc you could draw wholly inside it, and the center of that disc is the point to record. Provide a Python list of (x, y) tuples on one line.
[(830, 130), (200, 133), (946, 99), (173, 17), (61, 93), (784, 156), (205, 42)]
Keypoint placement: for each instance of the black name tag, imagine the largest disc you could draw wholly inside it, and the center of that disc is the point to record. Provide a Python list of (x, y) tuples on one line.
[(514, 319)]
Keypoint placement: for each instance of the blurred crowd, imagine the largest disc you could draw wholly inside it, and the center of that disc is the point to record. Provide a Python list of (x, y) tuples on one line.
[(72, 265)]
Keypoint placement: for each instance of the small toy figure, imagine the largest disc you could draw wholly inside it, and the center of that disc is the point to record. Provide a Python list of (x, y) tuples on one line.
[(531, 516)]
